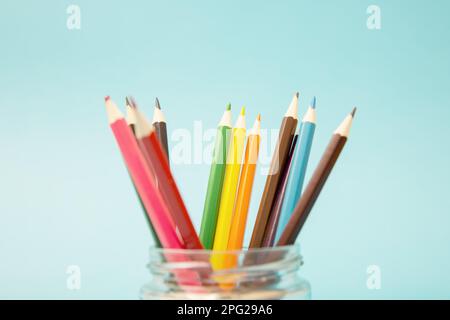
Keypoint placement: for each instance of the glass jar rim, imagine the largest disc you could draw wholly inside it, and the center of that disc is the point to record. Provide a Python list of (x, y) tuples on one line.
[(157, 250), (269, 259)]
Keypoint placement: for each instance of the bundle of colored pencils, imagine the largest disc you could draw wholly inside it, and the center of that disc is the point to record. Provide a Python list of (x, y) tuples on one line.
[(284, 206)]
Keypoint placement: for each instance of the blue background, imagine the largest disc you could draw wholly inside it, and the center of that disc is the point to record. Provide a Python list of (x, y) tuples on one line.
[(66, 198)]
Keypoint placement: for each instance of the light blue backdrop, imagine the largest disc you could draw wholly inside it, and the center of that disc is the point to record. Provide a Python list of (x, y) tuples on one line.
[(65, 195)]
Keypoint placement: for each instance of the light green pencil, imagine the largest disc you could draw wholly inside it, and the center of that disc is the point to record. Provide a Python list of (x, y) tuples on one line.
[(215, 182)]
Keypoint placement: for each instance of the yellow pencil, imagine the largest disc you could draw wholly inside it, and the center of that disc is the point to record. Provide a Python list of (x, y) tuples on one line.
[(244, 193), (230, 185)]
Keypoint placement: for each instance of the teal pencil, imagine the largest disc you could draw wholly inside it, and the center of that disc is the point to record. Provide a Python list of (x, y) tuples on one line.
[(298, 168), (215, 182)]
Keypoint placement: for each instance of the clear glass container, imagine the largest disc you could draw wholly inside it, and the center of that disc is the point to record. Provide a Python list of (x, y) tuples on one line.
[(254, 274)]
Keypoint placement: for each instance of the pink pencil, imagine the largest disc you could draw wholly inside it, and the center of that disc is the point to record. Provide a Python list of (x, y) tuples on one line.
[(141, 175)]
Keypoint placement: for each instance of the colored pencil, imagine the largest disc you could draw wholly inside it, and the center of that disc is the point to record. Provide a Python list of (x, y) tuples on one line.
[(315, 185), (279, 157), (271, 229), (215, 181), (298, 169), (157, 162), (159, 122), (230, 185), (131, 121), (143, 178), (244, 193), (151, 198)]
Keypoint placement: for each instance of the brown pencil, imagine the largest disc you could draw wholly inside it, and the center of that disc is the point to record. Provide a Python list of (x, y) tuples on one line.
[(271, 228), (287, 131), (159, 123), (315, 185)]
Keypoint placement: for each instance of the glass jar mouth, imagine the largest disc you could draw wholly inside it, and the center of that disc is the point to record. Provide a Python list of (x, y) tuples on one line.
[(219, 270), (194, 252), (262, 273)]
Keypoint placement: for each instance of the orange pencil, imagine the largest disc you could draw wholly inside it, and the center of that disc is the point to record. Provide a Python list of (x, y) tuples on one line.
[(239, 221)]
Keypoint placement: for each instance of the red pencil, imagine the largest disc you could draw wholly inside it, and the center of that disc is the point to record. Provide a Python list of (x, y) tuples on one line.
[(158, 162), (155, 206)]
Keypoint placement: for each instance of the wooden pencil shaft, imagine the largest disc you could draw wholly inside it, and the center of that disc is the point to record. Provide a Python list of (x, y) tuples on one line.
[(147, 219), (214, 189), (272, 225), (146, 216), (296, 176), (280, 155), (157, 161), (312, 191), (246, 180), (142, 178), (161, 133), (229, 189)]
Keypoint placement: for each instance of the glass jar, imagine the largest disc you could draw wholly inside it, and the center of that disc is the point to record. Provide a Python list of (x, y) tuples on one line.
[(254, 274)]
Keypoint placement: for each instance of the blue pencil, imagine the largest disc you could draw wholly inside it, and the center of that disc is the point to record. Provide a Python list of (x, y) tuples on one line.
[(298, 169)]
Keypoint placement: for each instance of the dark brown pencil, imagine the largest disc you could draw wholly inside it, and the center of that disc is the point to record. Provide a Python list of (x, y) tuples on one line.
[(271, 228), (315, 185), (131, 121), (279, 157), (159, 123)]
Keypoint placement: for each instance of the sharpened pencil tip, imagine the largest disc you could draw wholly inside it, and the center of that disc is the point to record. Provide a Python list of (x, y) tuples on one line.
[(228, 108), (127, 101), (157, 105), (107, 98), (297, 94), (258, 117), (243, 111), (313, 103), (353, 112)]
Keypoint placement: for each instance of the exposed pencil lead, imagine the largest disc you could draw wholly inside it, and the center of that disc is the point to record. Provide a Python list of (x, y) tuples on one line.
[(243, 111), (297, 94), (313, 103), (132, 102), (228, 108), (157, 105), (127, 101), (353, 112)]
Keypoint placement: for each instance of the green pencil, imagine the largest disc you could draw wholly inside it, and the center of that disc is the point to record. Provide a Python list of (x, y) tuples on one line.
[(215, 182)]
